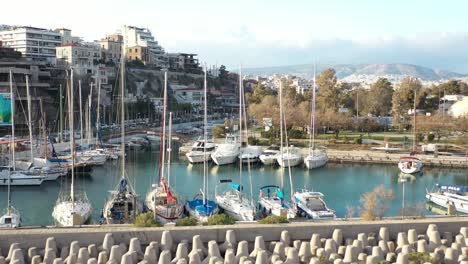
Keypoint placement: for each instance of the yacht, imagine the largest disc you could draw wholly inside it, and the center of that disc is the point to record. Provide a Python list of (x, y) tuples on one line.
[(250, 154), (290, 156), (268, 156), (165, 206), (201, 151), (271, 202), (410, 164), (446, 195), (316, 159), (233, 203), (11, 218), (19, 178), (311, 205), (227, 152), (200, 207)]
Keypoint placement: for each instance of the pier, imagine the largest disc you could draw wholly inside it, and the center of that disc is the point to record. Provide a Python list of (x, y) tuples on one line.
[(351, 241)]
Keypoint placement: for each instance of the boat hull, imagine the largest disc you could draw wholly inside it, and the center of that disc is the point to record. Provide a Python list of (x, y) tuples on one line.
[(268, 159), (224, 159), (444, 201), (315, 161), (195, 157), (410, 168), (194, 207), (19, 179), (292, 161), (67, 213)]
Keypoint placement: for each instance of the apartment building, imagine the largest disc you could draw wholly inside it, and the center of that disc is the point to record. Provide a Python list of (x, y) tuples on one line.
[(111, 48), (36, 44), (136, 36), (84, 57), (138, 53), (184, 61), (67, 37)]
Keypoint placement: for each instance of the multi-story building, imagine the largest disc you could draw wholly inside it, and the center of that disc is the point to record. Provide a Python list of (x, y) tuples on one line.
[(84, 58), (33, 43), (6, 52), (136, 36), (184, 61), (67, 37), (111, 48), (138, 53)]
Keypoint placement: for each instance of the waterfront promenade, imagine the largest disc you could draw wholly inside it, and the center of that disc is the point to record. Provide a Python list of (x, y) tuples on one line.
[(301, 242)]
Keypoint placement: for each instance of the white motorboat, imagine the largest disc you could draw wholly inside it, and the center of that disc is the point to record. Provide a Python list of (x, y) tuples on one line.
[(91, 157), (11, 218), (250, 154), (233, 204), (18, 178), (227, 152), (165, 206), (410, 165), (316, 159), (290, 156), (50, 174), (269, 155), (271, 202), (201, 151), (72, 207), (154, 139), (450, 195), (311, 205)]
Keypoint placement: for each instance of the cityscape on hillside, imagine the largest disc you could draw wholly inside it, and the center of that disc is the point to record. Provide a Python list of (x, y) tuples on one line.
[(235, 132)]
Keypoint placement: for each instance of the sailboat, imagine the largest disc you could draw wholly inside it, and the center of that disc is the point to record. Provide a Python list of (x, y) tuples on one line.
[(72, 209), (122, 205), (9, 175), (411, 164), (200, 207), (160, 200), (232, 201), (316, 158), (12, 217), (50, 173), (271, 198)]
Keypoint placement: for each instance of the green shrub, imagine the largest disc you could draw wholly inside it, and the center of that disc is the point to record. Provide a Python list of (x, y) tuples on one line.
[(420, 258), (345, 139), (332, 141), (146, 220), (297, 134), (273, 219), (358, 140), (430, 137), (219, 131), (253, 141), (220, 219), (186, 221)]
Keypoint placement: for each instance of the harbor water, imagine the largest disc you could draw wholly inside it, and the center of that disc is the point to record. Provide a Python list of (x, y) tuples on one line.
[(342, 184)]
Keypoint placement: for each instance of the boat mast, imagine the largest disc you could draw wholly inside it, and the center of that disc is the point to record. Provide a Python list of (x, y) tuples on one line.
[(247, 136), (72, 140), (89, 134), (98, 117), (12, 141), (122, 110), (163, 131), (61, 115), (414, 122), (169, 148), (81, 112), (205, 138), (29, 119), (281, 128), (312, 132), (240, 130)]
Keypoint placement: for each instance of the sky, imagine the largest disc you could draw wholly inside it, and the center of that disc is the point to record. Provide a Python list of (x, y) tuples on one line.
[(262, 33)]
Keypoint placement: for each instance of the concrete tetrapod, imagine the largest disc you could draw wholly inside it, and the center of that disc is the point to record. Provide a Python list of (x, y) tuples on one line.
[(259, 245), (229, 242)]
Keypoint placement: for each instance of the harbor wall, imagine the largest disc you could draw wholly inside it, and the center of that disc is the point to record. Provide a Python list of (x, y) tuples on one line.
[(30, 237)]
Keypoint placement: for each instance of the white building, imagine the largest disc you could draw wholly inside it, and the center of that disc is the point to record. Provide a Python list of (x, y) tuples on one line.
[(302, 85), (33, 43), (188, 94), (82, 57), (459, 108), (67, 37), (135, 36)]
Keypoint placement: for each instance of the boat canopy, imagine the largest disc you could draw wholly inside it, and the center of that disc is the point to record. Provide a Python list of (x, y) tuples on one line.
[(453, 188), (235, 186), (269, 186)]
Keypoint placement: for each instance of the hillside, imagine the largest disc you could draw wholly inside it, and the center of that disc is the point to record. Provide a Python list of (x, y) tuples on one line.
[(353, 71)]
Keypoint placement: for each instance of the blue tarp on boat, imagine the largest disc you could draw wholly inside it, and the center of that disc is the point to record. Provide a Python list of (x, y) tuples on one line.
[(197, 204)]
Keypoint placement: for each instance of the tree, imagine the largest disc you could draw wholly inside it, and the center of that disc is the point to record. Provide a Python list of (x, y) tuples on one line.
[(258, 94), (223, 73), (403, 97), (453, 87), (333, 121), (438, 125), (380, 95), (374, 204), (329, 94)]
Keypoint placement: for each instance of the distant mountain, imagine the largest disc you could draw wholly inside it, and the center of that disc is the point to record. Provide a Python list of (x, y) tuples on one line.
[(356, 71)]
